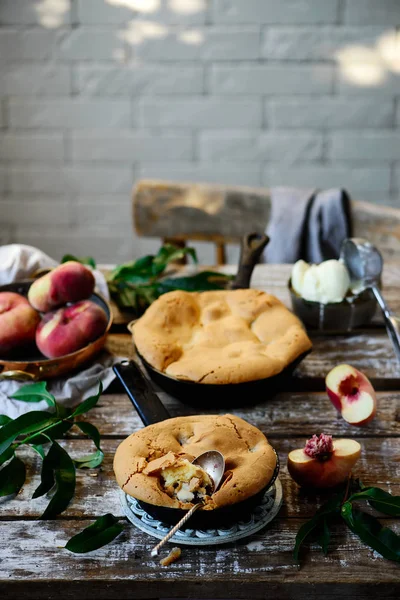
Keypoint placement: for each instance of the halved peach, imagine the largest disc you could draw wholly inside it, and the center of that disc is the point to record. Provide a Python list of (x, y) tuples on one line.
[(352, 394), (323, 463)]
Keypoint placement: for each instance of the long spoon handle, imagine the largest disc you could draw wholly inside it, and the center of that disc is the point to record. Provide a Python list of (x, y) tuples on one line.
[(391, 322), (172, 532)]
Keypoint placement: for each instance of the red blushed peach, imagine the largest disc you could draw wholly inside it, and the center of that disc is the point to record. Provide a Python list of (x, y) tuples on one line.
[(323, 463), (352, 394), (69, 329), (68, 282), (18, 321)]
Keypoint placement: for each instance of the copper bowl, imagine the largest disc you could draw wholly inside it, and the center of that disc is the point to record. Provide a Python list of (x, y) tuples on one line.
[(30, 365)]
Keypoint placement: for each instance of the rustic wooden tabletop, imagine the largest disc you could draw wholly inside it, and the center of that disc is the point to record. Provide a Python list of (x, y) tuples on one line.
[(34, 563)]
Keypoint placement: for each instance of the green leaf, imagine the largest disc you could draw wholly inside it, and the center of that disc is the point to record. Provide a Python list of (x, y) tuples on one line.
[(90, 461), (137, 271), (35, 392), (305, 530), (56, 431), (370, 531), (101, 532), (88, 404), (324, 535), (38, 448), (145, 269), (170, 253), (47, 477), (91, 431), (58, 468), (12, 477), (28, 423), (84, 260), (4, 420), (7, 454), (135, 285), (329, 509), (380, 500), (201, 282)]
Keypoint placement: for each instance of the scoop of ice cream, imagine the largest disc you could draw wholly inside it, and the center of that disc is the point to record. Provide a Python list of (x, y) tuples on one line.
[(298, 272), (327, 282)]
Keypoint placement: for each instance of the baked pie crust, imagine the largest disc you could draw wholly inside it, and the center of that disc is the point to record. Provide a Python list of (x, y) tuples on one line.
[(219, 336), (250, 461)]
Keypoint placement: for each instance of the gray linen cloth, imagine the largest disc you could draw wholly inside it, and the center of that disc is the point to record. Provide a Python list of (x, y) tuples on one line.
[(307, 224)]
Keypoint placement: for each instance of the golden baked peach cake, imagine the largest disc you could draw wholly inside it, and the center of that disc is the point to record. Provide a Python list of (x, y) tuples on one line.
[(220, 336), (155, 463)]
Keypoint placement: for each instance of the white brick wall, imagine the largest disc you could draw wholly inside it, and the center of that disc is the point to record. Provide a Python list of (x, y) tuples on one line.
[(126, 147), (95, 94), (330, 112), (266, 79), (68, 113), (216, 111), (34, 147), (358, 179), (271, 11), (129, 80), (41, 80), (265, 146)]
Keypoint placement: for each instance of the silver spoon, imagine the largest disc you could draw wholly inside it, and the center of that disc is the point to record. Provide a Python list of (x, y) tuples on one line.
[(365, 263), (213, 463)]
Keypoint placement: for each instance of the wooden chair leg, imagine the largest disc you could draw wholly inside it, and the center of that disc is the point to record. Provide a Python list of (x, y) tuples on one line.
[(220, 254)]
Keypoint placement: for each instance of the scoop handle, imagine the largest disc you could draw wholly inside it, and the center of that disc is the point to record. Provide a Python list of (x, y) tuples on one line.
[(148, 405), (250, 251), (391, 322), (172, 531)]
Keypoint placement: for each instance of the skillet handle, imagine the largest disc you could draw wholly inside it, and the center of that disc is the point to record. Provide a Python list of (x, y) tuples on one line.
[(250, 251), (147, 403)]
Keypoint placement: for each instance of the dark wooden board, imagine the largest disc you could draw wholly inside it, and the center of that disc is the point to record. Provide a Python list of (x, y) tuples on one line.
[(258, 567)]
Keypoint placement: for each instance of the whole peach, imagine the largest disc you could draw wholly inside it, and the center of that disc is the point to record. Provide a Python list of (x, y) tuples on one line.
[(68, 282), (18, 321), (69, 329)]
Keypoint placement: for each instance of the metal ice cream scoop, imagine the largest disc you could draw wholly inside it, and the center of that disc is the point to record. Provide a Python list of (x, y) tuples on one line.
[(365, 263), (213, 463)]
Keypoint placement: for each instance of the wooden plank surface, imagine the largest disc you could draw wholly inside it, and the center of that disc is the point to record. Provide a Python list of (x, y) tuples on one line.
[(97, 492), (33, 562), (286, 415), (266, 557)]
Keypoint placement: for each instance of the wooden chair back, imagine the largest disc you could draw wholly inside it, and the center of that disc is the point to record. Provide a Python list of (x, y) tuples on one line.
[(180, 212)]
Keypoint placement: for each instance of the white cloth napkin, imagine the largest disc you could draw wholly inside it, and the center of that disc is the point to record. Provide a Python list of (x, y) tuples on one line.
[(17, 262)]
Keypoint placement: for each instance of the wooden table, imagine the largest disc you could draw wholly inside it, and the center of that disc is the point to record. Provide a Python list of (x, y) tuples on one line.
[(34, 564)]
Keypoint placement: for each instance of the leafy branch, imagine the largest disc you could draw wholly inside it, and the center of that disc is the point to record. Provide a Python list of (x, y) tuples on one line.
[(40, 429), (367, 527)]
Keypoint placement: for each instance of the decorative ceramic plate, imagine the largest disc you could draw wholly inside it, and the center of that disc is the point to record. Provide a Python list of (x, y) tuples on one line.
[(262, 514)]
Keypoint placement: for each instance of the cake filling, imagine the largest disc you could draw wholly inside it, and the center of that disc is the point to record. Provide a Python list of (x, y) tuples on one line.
[(180, 478)]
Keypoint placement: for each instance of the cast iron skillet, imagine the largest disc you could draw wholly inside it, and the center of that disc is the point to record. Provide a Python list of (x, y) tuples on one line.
[(229, 394), (29, 364), (151, 410)]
